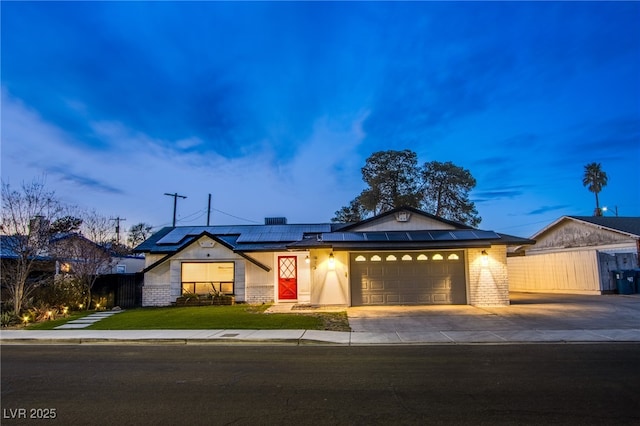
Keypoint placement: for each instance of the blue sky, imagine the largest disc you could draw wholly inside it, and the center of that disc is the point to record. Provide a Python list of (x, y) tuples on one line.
[(273, 107)]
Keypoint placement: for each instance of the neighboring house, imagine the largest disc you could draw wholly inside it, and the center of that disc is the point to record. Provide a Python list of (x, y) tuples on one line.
[(404, 256), (126, 264), (43, 264), (65, 249), (123, 261), (577, 254)]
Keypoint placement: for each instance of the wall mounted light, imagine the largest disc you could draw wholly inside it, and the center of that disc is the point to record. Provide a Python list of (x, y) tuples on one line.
[(332, 261), (485, 258), (307, 260)]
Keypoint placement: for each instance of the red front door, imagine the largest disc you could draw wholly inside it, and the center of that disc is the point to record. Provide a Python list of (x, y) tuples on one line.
[(287, 278)]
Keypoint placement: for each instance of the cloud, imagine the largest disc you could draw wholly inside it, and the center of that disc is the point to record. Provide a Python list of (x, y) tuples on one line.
[(498, 193), (87, 182), (130, 178), (547, 209)]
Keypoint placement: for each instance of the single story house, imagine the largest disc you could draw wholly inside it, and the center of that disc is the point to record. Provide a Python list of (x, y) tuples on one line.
[(576, 254), (403, 256)]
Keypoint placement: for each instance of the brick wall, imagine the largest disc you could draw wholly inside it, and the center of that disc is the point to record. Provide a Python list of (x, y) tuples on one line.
[(259, 294), (488, 282), (156, 296)]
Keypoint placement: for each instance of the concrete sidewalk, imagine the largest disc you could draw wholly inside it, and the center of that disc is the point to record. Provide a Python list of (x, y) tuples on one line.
[(302, 337)]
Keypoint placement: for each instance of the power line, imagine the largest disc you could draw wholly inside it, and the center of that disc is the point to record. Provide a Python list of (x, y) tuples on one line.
[(236, 217), (192, 216)]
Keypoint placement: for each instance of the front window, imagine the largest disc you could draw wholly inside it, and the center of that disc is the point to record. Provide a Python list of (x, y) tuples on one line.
[(208, 278)]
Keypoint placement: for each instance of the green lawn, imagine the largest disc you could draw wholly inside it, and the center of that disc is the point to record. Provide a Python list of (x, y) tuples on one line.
[(240, 316)]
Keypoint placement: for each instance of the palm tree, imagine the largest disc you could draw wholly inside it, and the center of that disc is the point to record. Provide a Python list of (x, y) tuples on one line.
[(595, 179)]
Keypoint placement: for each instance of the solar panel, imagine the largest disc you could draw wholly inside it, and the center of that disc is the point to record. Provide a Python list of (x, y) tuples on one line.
[(488, 235), (177, 235), (464, 235), (342, 236), (420, 236), (397, 236), (270, 237), (376, 236), (442, 236)]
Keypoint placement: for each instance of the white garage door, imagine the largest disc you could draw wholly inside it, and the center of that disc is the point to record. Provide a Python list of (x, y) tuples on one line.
[(399, 278)]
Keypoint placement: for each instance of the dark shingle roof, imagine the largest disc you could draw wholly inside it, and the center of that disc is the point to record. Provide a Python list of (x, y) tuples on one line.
[(629, 225), (252, 238)]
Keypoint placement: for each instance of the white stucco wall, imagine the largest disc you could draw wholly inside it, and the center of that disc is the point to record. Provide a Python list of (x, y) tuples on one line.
[(259, 283), (329, 286)]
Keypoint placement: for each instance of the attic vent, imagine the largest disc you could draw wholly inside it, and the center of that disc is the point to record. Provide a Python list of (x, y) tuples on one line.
[(275, 220), (403, 216)]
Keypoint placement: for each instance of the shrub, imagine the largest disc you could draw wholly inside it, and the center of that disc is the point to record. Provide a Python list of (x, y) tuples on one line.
[(59, 293), (8, 318), (43, 312)]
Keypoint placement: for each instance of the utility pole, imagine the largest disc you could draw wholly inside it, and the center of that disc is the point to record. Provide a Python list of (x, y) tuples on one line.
[(175, 205), (209, 210), (118, 220)]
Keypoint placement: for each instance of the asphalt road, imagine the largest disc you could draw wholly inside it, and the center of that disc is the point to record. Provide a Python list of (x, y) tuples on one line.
[(242, 385)]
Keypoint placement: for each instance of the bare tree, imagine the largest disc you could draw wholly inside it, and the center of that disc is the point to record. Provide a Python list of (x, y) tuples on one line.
[(85, 260), (26, 215), (96, 227)]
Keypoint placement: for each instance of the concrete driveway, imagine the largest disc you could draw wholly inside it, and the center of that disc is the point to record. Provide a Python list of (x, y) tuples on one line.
[(528, 311)]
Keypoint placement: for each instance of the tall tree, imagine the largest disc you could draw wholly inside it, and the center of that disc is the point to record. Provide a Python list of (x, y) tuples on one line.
[(446, 190), (393, 180), (26, 215), (354, 212), (65, 224), (139, 233), (595, 179)]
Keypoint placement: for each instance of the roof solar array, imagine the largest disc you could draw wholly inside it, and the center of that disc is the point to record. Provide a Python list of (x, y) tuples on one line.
[(247, 233), (270, 237), (260, 237), (418, 236)]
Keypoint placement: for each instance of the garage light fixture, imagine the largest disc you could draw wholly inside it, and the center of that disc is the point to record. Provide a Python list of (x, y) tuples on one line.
[(332, 261), (485, 258), (307, 260)]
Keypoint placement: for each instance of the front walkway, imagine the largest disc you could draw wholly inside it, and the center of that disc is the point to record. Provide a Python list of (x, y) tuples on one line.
[(85, 322)]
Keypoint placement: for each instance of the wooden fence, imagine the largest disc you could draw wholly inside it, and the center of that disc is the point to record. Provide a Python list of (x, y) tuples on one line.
[(123, 290)]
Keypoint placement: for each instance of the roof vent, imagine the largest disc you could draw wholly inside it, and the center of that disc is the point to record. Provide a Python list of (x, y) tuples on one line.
[(403, 216), (275, 220)]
